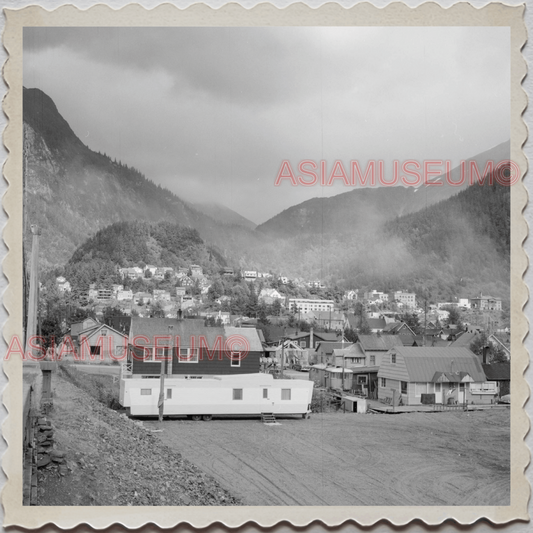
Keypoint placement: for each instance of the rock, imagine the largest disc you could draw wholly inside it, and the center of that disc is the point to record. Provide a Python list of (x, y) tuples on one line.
[(57, 453), (57, 459), (42, 449), (43, 461), (46, 443)]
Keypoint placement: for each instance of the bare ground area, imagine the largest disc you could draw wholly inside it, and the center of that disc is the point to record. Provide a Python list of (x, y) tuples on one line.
[(451, 458), (112, 460)]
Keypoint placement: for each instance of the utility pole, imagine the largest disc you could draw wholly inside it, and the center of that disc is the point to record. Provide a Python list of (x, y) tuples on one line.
[(161, 401), (282, 357), (33, 300)]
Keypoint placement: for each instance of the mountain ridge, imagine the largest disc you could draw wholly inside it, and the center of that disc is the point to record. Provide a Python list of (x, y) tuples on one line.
[(354, 208), (71, 192)]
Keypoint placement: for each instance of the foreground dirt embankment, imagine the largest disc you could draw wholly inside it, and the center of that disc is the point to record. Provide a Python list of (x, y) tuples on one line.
[(112, 460)]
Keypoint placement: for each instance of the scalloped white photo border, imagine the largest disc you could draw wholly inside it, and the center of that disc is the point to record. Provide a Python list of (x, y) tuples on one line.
[(365, 14)]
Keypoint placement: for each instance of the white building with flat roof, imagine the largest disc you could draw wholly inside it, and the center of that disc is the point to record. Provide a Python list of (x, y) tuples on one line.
[(304, 305)]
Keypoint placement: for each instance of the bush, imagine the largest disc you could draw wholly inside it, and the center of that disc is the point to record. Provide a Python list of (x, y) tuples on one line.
[(101, 388)]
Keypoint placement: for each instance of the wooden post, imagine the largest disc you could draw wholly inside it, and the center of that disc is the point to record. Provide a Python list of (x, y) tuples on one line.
[(161, 402), (394, 400), (33, 299), (283, 358)]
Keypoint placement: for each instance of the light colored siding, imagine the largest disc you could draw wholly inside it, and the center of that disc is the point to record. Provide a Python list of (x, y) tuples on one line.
[(411, 396), (386, 392), (396, 371)]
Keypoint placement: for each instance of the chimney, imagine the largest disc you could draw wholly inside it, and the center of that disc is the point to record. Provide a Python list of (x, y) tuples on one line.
[(485, 350)]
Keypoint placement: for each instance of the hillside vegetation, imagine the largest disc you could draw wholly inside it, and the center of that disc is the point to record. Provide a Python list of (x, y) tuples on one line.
[(126, 244), (71, 192)]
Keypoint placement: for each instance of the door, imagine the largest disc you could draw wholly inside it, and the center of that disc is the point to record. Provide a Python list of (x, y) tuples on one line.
[(267, 403), (461, 393), (438, 393)]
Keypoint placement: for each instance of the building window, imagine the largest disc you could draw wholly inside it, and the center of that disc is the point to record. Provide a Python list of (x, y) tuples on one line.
[(146, 392), (235, 359), (361, 380), (383, 382), (161, 353), (462, 387), (393, 358), (188, 355), (285, 394), (237, 394), (404, 387), (437, 387), (169, 394), (265, 393), (95, 350), (372, 360)]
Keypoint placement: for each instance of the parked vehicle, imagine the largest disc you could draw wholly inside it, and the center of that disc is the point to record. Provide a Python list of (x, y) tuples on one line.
[(201, 397)]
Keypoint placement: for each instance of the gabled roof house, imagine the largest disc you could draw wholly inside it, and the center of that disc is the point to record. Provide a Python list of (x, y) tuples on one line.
[(420, 375)]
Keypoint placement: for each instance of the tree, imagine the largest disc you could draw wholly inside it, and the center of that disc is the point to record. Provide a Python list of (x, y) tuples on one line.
[(156, 310), (351, 334), (364, 328), (454, 316), (216, 290), (80, 314), (482, 346), (262, 312), (412, 321), (110, 313), (51, 332), (252, 306)]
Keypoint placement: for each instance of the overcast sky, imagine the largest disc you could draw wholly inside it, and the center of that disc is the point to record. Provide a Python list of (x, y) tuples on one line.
[(211, 113)]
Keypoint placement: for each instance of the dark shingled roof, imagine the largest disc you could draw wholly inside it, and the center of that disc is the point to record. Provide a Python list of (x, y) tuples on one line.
[(497, 371), (464, 340), (185, 329), (379, 342), (327, 347), (376, 323)]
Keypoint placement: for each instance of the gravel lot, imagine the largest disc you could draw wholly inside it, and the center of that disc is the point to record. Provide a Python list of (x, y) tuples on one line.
[(112, 460), (452, 458)]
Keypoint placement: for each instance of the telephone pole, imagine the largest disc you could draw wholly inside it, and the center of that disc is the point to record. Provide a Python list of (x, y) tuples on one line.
[(33, 299)]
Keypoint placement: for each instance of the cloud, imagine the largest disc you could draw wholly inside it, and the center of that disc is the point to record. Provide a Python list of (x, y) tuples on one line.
[(212, 112)]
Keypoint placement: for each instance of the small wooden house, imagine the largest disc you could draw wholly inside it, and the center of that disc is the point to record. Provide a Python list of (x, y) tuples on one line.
[(420, 375), (189, 347)]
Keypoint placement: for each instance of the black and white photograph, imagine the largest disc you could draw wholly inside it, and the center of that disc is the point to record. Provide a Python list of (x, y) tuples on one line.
[(267, 266)]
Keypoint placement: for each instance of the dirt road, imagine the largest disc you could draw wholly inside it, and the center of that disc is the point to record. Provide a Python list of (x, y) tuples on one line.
[(348, 459)]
